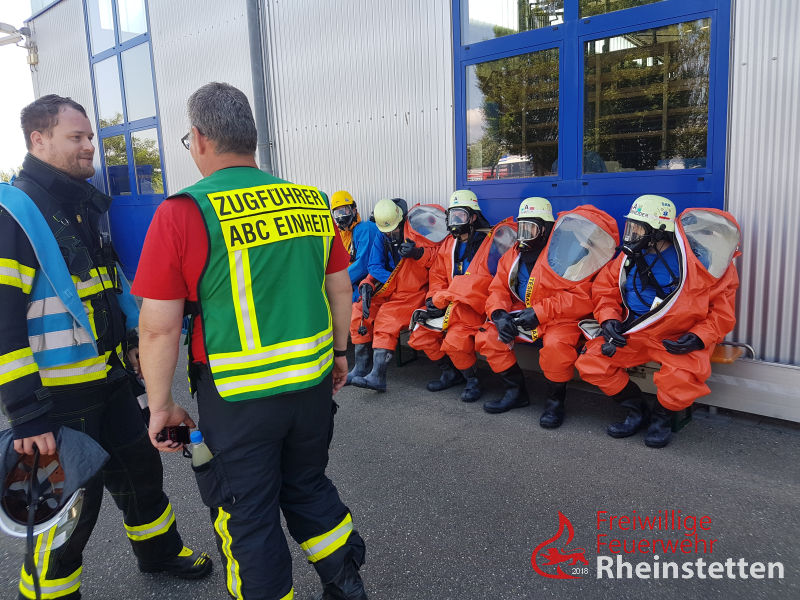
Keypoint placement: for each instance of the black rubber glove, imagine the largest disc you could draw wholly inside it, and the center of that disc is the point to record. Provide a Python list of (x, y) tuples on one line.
[(612, 331), (688, 342), (421, 316), (527, 319), (408, 249), (506, 329), (366, 292), (433, 310)]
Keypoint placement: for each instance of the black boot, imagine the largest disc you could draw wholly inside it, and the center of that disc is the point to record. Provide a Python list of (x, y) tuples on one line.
[(472, 391), (631, 398), (660, 431), (553, 415), (340, 578), (189, 564), (516, 395), (449, 377), (363, 362), (376, 379)]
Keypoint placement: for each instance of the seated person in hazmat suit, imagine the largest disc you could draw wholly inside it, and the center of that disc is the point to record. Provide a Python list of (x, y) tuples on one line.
[(668, 298), (357, 236), (446, 326), (397, 283), (541, 290)]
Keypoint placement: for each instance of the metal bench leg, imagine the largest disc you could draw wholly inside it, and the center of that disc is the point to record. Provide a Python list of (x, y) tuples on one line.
[(681, 418)]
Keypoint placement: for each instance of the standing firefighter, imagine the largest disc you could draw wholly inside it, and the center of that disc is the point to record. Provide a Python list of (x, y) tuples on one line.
[(459, 280), (668, 298), (545, 292), (396, 285), (257, 260), (357, 236), (67, 313)]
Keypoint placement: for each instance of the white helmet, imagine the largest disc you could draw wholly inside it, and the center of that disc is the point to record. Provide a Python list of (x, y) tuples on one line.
[(655, 211), (387, 215), (464, 199), (536, 208)]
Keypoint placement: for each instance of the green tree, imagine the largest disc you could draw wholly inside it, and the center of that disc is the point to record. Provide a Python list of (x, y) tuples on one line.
[(7, 174)]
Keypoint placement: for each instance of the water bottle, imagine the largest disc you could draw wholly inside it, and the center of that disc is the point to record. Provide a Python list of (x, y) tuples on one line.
[(200, 452)]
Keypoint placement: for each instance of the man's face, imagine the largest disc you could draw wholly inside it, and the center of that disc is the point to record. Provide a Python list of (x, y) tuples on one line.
[(68, 146)]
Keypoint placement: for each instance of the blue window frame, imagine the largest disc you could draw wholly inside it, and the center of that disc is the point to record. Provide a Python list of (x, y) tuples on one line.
[(126, 112), (570, 181)]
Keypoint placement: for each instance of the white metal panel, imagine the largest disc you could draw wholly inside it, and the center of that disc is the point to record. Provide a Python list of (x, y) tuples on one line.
[(362, 95), (194, 42), (763, 174)]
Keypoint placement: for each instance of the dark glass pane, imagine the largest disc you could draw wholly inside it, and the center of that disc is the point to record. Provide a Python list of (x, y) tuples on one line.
[(109, 95), (101, 24), (600, 7), (147, 158), (115, 151), (646, 99), (132, 19), (512, 117), (139, 97), (488, 19)]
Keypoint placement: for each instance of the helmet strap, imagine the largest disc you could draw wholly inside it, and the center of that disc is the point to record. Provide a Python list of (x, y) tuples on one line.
[(33, 504)]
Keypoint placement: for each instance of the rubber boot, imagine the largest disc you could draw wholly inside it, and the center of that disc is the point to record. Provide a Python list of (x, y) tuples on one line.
[(660, 431), (449, 377), (516, 395), (363, 362), (376, 379), (553, 415), (340, 578), (631, 398), (472, 391)]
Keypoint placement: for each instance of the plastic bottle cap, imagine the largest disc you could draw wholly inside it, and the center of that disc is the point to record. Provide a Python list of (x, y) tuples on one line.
[(196, 437)]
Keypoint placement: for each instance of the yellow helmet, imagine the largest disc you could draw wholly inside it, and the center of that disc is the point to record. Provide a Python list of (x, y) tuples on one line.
[(341, 198), (536, 208), (655, 211), (387, 215), (464, 199)]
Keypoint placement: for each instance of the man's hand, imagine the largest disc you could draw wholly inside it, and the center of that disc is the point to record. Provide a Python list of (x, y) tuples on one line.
[(688, 342), (506, 329), (612, 331), (45, 442), (169, 416), (527, 319), (340, 369), (408, 249), (133, 361)]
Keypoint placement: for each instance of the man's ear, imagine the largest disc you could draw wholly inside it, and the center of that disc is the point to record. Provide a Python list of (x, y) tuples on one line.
[(201, 142), (37, 140)]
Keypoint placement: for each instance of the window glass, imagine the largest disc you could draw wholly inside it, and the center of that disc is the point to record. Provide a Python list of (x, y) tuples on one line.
[(115, 151), (512, 117), (107, 89), (101, 24), (589, 8), (137, 72), (646, 99), (488, 19), (147, 158), (132, 19)]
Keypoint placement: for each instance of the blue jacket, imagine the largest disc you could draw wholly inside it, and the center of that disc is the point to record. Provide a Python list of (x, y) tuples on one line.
[(381, 260), (364, 235)]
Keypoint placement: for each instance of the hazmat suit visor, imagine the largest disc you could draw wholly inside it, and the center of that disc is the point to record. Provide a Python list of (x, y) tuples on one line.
[(428, 222), (712, 238), (502, 240), (578, 248)]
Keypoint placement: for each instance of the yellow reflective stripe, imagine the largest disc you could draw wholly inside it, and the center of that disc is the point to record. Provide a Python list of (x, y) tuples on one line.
[(15, 355), (326, 544), (16, 274), (91, 369), (51, 588), (265, 380), (237, 304), (10, 263), (289, 596), (17, 364), (150, 530), (250, 305), (15, 282), (98, 282), (232, 578), (271, 354)]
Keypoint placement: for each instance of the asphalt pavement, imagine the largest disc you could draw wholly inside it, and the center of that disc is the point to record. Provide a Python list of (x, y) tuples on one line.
[(452, 502)]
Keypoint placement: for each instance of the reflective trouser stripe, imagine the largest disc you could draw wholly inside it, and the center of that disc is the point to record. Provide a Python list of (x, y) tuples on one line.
[(16, 364), (241, 288), (326, 544), (232, 578), (241, 384), (51, 588), (289, 596), (150, 530)]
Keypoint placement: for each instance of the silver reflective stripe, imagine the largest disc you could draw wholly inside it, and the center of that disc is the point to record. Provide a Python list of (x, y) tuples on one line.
[(10, 272), (82, 285), (244, 309), (88, 370), (325, 542), (267, 379), (58, 339), (8, 367), (158, 527), (46, 306), (52, 589), (235, 360)]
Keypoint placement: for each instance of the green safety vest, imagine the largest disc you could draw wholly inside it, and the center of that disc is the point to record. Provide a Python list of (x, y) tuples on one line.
[(267, 324)]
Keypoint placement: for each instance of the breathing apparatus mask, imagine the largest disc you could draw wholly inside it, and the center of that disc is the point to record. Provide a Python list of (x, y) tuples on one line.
[(639, 236), (459, 221), (345, 216), (532, 234)]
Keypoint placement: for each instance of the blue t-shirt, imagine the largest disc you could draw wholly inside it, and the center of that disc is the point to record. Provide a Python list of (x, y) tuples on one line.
[(523, 275), (640, 305)]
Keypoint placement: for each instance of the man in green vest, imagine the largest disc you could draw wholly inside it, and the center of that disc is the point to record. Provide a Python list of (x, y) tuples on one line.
[(258, 264)]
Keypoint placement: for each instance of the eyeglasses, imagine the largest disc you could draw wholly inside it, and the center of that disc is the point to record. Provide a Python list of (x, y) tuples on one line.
[(186, 141)]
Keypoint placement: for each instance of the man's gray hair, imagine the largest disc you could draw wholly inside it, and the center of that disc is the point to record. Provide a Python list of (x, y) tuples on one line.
[(222, 114)]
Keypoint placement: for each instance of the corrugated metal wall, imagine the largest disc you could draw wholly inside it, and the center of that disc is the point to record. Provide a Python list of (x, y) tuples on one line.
[(363, 96), (63, 69), (764, 174), (194, 42)]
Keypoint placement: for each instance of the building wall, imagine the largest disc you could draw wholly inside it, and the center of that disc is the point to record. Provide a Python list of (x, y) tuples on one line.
[(194, 42), (763, 177), (363, 96)]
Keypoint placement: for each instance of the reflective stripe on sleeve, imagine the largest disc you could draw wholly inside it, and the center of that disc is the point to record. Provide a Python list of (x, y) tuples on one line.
[(326, 544), (16, 364), (15, 274), (150, 530)]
